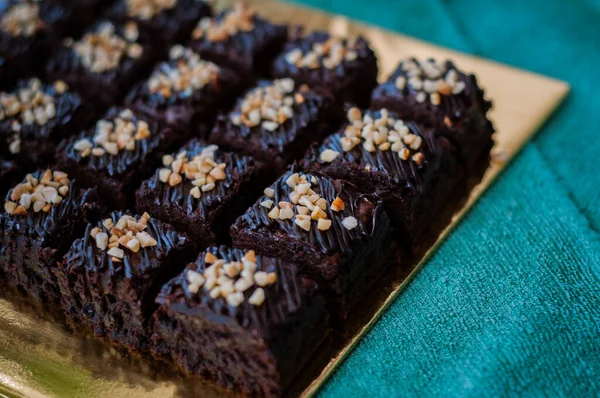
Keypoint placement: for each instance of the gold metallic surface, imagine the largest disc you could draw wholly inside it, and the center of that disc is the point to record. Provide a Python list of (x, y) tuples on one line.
[(40, 356)]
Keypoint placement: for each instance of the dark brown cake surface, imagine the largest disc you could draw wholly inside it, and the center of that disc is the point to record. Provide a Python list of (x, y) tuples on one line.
[(248, 321)]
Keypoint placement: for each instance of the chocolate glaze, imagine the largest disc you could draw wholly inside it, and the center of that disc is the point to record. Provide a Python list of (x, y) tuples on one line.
[(350, 81), (8, 173), (282, 299), (39, 143), (311, 121), (470, 131), (249, 52), (182, 111), (167, 27), (102, 88), (365, 208)]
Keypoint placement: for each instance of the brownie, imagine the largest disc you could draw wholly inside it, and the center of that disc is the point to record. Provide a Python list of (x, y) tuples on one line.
[(41, 217), (347, 67), (163, 22), (438, 94), (9, 172), (117, 154), (104, 63), (185, 93), (110, 278), (276, 122), (239, 39), (35, 117), (338, 237), (201, 190), (246, 321), (409, 166), (29, 31)]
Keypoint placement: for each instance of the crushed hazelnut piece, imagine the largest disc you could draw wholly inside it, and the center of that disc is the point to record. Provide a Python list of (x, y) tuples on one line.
[(103, 49), (128, 233), (239, 19), (338, 204), (187, 72), (431, 79), (329, 155), (349, 222)]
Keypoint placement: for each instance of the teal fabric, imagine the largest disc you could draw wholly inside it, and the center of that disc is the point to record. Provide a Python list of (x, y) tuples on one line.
[(510, 305)]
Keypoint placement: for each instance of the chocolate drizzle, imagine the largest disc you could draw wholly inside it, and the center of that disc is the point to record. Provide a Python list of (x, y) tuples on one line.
[(282, 299), (237, 169), (365, 208)]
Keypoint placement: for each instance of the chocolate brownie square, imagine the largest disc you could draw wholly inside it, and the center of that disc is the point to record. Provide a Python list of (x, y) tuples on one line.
[(185, 93), (104, 63), (246, 321), (110, 278), (347, 67), (276, 122), (117, 154), (201, 190), (163, 22), (35, 117), (410, 167), (439, 94), (239, 39), (29, 30), (338, 237), (42, 215)]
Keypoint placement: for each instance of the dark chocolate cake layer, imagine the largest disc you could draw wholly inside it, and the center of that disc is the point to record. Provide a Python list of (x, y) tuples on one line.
[(248, 322)]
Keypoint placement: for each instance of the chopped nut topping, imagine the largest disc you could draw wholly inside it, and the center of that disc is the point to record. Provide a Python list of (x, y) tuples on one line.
[(103, 49), (202, 170), (111, 137), (431, 79), (329, 54), (269, 106), (306, 206), (239, 19), (189, 73), (28, 105), (128, 233), (38, 195), (383, 133), (21, 20), (147, 9), (349, 222), (230, 280)]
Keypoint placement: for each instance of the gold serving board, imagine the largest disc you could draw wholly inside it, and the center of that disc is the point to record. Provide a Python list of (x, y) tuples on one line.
[(40, 357)]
